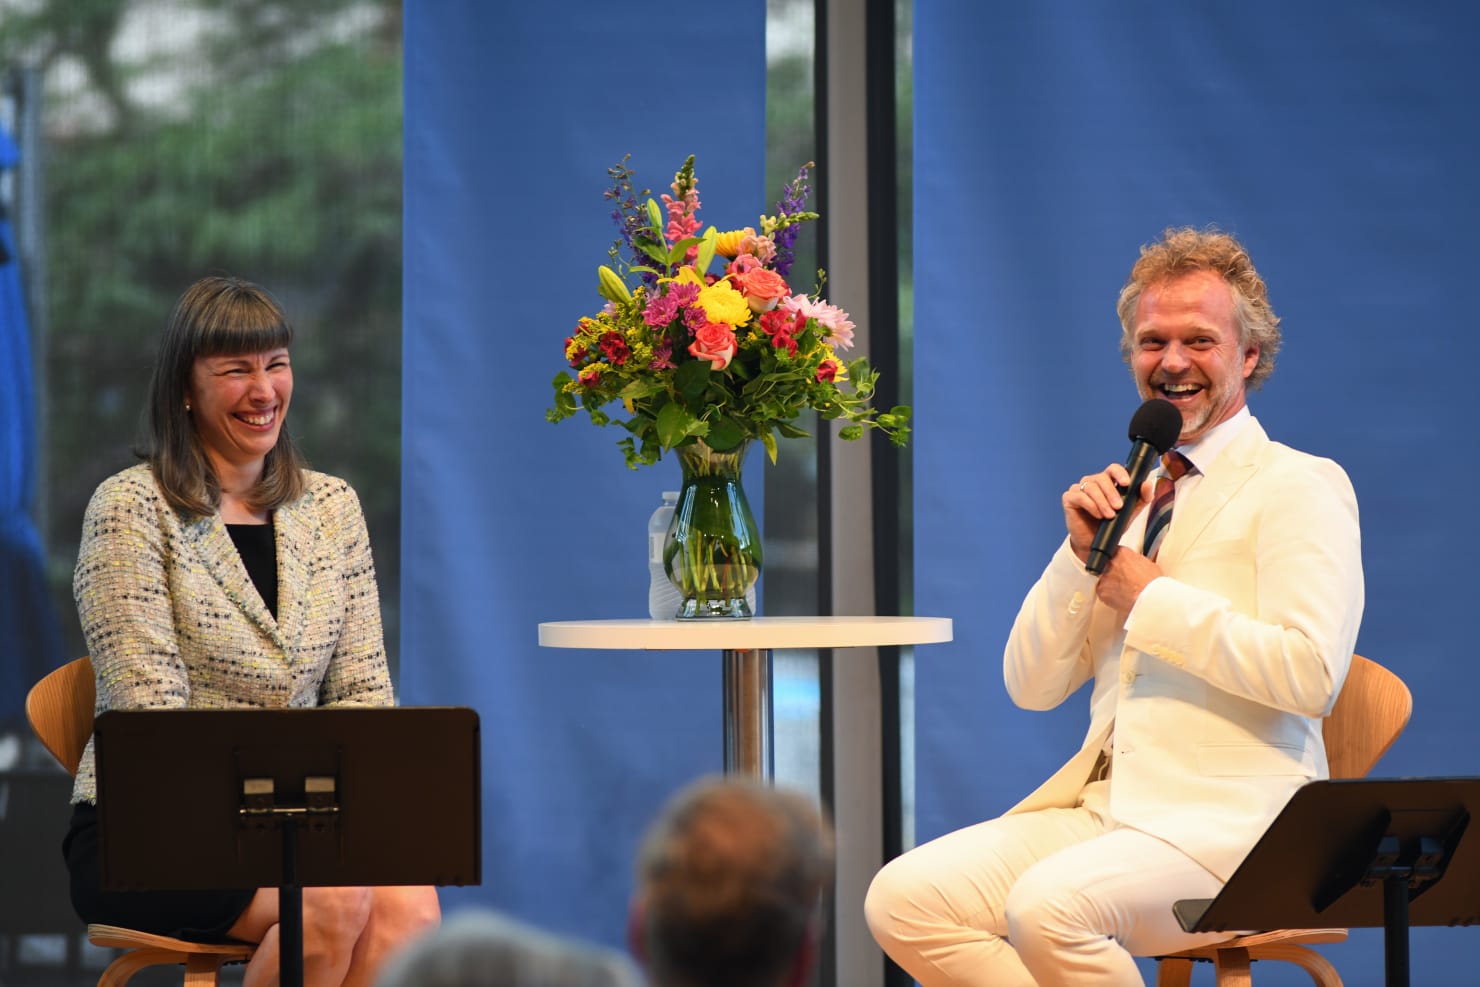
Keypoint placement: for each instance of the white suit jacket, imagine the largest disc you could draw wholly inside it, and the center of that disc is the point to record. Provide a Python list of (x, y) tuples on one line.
[(1216, 683)]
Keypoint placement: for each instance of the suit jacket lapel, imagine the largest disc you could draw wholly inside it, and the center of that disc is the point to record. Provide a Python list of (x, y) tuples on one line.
[(296, 535), (1229, 472), (215, 549)]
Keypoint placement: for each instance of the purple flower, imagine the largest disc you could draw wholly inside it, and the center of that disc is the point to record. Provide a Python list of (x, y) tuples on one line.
[(661, 310), (630, 216), (793, 199)]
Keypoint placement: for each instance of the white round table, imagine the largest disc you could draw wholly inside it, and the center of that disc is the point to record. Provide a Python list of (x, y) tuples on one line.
[(746, 646)]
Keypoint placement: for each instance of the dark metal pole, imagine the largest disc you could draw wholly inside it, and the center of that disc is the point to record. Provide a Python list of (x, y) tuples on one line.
[(290, 911), (1395, 929)]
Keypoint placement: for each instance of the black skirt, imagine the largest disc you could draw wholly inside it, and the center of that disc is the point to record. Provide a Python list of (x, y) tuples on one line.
[(196, 916)]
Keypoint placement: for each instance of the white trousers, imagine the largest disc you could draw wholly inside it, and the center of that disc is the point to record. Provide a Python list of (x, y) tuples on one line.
[(1036, 899)]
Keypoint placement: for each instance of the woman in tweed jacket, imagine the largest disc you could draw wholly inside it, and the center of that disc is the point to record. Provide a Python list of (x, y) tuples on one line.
[(223, 574)]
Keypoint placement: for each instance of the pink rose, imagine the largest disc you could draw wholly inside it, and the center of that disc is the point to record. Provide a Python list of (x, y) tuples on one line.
[(827, 371), (762, 288), (742, 263), (714, 342)]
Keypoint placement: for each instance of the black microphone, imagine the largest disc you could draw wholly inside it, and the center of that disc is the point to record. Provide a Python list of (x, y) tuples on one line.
[(1154, 429)]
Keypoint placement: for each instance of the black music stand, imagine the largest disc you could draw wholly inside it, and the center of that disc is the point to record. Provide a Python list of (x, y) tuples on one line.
[(1358, 853), (288, 798)]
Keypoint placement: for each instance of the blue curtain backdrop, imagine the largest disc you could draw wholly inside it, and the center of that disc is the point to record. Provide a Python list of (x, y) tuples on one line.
[(1052, 139), (513, 114), (32, 636)]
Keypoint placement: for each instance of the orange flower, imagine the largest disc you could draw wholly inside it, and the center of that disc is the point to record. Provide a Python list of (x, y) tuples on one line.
[(714, 342), (762, 287)]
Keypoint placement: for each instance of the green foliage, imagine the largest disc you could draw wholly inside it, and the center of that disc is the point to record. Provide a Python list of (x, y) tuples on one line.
[(268, 157)]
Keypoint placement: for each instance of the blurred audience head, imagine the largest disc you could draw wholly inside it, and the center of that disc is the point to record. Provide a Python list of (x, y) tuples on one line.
[(730, 879), (478, 948)]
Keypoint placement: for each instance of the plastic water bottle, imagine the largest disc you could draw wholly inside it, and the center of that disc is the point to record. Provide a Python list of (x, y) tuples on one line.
[(663, 596)]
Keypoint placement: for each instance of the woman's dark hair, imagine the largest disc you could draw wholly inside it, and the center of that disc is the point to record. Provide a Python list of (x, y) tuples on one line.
[(216, 316)]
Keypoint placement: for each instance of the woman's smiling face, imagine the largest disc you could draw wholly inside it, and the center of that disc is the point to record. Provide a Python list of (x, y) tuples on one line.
[(238, 404)]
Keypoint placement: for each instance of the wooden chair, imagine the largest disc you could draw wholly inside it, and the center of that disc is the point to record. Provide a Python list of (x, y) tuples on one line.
[(1370, 713), (60, 708)]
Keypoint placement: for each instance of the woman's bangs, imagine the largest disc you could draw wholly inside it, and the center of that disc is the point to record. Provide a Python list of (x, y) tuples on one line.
[(244, 327)]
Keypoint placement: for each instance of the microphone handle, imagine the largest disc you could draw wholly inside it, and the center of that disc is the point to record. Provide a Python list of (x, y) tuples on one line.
[(1142, 458)]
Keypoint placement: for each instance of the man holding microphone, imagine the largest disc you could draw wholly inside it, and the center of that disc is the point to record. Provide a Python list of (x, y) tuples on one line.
[(1216, 635)]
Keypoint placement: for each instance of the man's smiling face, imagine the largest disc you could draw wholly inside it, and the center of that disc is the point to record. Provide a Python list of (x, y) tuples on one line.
[(1186, 347)]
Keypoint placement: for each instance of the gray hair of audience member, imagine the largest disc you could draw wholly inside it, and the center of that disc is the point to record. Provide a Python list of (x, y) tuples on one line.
[(730, 877), (478, 948)]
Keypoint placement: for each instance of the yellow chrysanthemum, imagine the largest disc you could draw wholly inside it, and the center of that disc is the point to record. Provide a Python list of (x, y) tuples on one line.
[(722, 303), (728, 244)]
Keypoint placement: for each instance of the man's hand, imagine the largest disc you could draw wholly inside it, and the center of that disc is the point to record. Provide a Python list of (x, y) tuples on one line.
[(1093, 499), (1125, 575), (1096, 498)]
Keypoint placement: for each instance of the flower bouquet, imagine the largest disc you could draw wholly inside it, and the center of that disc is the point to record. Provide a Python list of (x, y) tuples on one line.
[(704, 361)]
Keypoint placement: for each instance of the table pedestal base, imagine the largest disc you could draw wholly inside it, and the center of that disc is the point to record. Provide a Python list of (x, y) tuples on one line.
[(747, 717)]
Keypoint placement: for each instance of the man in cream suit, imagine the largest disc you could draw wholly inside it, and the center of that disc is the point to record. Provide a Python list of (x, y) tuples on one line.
[(1212, 664)]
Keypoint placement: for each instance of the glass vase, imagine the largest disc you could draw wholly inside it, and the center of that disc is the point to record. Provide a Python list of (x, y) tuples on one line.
[(712, 552)]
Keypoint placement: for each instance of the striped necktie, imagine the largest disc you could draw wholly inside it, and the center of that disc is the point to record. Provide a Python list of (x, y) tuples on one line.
[(1174, 466)]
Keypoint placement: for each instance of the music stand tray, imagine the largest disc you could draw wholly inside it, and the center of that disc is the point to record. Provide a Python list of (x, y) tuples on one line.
[(1358, 853), (192, 799)]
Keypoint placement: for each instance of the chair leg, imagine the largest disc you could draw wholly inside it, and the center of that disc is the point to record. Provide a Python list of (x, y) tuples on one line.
[(1232, 966), (202, 970), (1320, 969), (1173, 972), (131, 962)]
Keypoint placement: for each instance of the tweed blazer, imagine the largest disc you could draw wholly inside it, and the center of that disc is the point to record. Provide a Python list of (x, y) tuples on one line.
[(172, 620), (1214, 685)]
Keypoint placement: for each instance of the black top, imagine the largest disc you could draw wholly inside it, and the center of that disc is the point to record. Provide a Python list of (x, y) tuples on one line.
[(258, 549)]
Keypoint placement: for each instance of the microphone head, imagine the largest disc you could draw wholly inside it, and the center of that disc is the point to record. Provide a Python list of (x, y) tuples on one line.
[(1157, 423)]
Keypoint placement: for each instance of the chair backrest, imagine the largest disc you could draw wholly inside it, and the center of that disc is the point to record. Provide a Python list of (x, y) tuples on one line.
[(1371, 711), (60, 708)]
